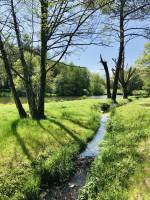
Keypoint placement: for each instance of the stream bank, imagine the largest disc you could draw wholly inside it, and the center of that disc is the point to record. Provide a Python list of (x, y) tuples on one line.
[(70, 190)]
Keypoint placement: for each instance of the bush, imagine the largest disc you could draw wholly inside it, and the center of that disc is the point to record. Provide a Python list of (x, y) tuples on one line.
[(105, 107), (58, 167), (139, 93), (130, 100)]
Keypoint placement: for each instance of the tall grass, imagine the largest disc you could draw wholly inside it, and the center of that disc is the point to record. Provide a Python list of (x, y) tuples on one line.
[(35, 154), (120, 157)]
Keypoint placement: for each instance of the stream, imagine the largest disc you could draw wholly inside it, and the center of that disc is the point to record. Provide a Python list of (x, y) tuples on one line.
[(70, 190)]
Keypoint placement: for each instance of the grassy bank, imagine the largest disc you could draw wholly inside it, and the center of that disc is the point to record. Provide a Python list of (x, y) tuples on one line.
[(37, 153), (122, 170)]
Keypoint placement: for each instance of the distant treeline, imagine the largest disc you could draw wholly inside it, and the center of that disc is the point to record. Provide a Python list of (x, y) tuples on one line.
[(71, 80), (63, 80), (75, 81)]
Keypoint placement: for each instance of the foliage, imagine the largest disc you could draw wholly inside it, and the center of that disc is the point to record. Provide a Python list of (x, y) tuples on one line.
[(97, 84), (144, 59), (72, 81), (105, 107), (63, 81), (3, 77), (143, 64), (136, 83)]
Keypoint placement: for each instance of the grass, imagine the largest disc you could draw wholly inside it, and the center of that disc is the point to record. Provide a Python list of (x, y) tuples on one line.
[(34, 154), (139, 184), (122, 170)]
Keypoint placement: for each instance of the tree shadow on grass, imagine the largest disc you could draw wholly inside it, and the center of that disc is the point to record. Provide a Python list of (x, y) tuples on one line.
[(69, 132), (79, 123), (23, 146), (49, 132), (20, 140)]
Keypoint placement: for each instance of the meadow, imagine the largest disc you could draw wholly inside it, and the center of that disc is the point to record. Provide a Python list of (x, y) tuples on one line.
[(35, 154), (122, 169)]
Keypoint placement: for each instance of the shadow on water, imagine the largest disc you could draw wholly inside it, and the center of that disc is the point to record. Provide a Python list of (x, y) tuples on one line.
[(20, 140)]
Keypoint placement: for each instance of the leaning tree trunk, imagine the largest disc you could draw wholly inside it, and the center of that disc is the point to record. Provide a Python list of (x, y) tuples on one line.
[(44, 26), (104, 63), (27, 79), (7, 66), (121, 53)]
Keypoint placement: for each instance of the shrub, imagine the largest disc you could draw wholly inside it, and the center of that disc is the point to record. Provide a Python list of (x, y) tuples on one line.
[(105, 107), (57, 167), (130, 100)]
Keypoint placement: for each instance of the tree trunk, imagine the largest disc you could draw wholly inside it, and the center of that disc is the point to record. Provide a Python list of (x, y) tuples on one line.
[(121, 53), (27, 79), (44, 31), (7, 66), (125, 92), (104, 63)]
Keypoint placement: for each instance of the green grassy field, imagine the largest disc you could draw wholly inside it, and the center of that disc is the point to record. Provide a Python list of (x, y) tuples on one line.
[(35, 153), (122, 170)]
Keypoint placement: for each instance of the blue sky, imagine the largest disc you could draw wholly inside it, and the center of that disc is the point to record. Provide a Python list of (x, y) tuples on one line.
[(89, 57)]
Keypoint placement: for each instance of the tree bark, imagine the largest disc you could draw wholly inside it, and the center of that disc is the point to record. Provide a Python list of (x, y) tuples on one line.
[(7, 66), (121, 53), (27, 79), (44, 38), (104, 63), (125, 91)]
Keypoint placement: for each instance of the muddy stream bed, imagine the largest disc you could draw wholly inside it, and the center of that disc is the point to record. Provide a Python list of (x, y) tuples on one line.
[(70, 190)]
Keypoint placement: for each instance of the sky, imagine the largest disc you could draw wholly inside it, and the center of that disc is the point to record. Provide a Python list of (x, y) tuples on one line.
[(89, 57)]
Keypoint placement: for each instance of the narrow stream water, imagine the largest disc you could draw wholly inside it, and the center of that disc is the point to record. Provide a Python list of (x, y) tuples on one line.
[(92, 148), (70, 190)]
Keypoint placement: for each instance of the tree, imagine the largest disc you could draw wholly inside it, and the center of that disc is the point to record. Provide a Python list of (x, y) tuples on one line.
[(125, 76), (108, 85), (143, 66), (136, 83), (118, 21), (97, 84), (8, 67), (52, 29), (125, 12), (72, 81)]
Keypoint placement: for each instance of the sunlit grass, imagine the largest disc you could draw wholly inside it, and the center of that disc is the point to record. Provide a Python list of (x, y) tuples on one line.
[(33, 152), (122, 170), (139, 185)]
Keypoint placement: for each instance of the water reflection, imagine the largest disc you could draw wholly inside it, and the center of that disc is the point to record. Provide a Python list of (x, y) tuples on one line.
[(92, 148)]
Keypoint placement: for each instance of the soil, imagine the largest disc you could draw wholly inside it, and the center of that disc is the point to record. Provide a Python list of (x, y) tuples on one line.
[(70, 190)]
